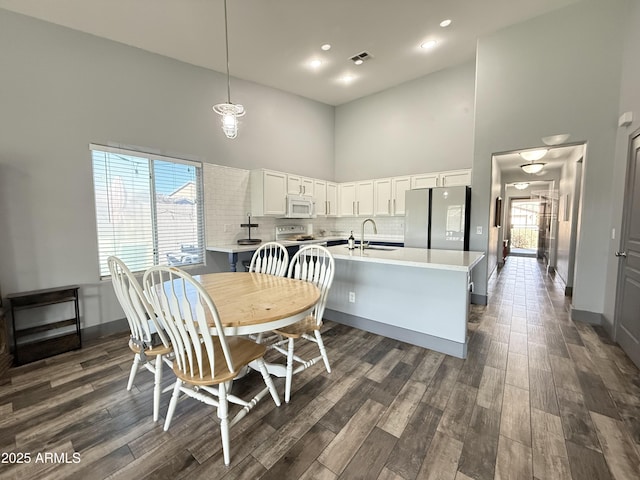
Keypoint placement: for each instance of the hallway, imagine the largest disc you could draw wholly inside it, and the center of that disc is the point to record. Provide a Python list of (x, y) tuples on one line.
[(569, 397)]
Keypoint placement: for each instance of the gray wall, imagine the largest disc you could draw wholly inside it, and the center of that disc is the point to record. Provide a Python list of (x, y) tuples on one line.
[(420, 126), (62, 89), (556, 73), (629, 101)]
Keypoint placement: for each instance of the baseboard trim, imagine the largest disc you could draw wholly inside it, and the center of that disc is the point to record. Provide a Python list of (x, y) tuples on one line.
[(105, 329), (585, 316), (441, 345), (478, 299)]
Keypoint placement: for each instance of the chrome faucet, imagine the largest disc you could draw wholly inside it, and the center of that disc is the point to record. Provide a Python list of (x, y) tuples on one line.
[(375, 230)]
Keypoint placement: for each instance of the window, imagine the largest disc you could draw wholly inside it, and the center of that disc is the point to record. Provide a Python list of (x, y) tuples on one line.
[(149, 209)]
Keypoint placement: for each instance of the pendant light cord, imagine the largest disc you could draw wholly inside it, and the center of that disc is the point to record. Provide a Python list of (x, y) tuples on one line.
[(226, 43)]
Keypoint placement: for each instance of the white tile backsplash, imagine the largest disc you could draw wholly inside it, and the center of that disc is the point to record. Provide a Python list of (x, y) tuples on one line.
[(227, 201)]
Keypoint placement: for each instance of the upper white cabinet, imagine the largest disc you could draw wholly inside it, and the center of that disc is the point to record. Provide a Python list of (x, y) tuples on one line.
[(268, 193), (297, 185), (332, 199), (389, 195), (441, 179), (382, 197), (455, 178), (347, 199), (325, 197), (399, 185), (355, 199), (427, 180), (320, 197)]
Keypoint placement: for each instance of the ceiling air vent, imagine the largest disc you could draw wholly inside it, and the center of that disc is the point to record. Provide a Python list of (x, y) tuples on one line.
[(361, 57)]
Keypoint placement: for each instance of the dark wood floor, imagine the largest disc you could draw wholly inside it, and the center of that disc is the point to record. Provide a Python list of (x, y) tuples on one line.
[(539, 396)]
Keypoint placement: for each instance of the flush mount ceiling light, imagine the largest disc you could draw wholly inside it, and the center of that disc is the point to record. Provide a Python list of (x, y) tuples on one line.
[(428, 45), (556, 139), (229, 111), (521, 185), (532, 156)]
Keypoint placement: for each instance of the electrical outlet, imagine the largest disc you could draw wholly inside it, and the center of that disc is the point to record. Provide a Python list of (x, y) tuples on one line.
[(479, 230), (352, 297)]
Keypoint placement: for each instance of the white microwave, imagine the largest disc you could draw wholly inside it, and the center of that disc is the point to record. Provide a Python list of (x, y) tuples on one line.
[(299, 206)]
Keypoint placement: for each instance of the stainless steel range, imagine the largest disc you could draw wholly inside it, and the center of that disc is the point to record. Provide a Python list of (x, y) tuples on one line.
[(296, 233)]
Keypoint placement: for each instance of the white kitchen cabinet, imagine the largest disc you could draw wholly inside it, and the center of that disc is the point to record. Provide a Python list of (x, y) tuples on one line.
[(325, 198), (399, 186), (364, 198), (297, 185), (320, 197), (347, 199), (450, 178), (356, 199), (389, 195), (455, 178), (268, 193), (382, 197), (332, 199), (427, 180)]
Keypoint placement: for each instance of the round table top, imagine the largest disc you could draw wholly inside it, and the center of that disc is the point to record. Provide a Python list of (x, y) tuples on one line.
[(244, 299)]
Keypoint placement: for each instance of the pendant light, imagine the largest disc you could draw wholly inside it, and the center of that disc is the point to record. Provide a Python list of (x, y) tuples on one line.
[(532, 156), (229, 111)]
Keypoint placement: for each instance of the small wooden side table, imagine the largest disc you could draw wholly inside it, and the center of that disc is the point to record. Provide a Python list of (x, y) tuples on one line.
[(46, 338)]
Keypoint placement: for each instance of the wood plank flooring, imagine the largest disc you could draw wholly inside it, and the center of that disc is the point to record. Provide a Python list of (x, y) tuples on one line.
[(539, 397)]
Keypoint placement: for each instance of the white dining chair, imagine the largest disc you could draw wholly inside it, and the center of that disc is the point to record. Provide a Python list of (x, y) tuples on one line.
[(271, 258), (311, 263), (150, 345), (205, 364)]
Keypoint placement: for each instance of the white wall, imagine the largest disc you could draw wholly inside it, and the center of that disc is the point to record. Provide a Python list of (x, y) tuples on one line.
[(62, 89), (566, 199), (629, 101), (424, 125), (556, 73)]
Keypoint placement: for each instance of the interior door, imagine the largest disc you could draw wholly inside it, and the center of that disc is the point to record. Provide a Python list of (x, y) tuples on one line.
[(628, 294)]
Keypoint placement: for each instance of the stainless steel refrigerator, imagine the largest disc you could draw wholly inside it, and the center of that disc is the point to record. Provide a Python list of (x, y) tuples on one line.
[(438, 218)]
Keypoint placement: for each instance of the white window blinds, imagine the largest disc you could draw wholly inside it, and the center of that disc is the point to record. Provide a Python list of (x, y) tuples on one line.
[(149, 209)]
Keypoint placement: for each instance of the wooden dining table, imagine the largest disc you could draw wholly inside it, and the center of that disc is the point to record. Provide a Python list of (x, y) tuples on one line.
[(253, 303)]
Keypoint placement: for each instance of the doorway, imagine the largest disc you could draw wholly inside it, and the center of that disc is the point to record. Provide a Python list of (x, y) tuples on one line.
[(524, 227)]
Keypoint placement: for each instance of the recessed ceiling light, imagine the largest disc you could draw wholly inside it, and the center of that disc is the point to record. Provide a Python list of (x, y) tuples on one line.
[(358, 61), (315, 63), (429, 44), (326, 47), (347, 78), (445, 23)]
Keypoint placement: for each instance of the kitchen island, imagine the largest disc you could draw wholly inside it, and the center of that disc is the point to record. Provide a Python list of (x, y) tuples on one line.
[(415, 295)]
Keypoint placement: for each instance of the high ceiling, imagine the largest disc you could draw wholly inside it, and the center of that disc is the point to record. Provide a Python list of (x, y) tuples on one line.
[(271, 42)]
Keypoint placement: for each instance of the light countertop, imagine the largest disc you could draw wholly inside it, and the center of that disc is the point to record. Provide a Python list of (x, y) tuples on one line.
[(411, 257), (235, 248)]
